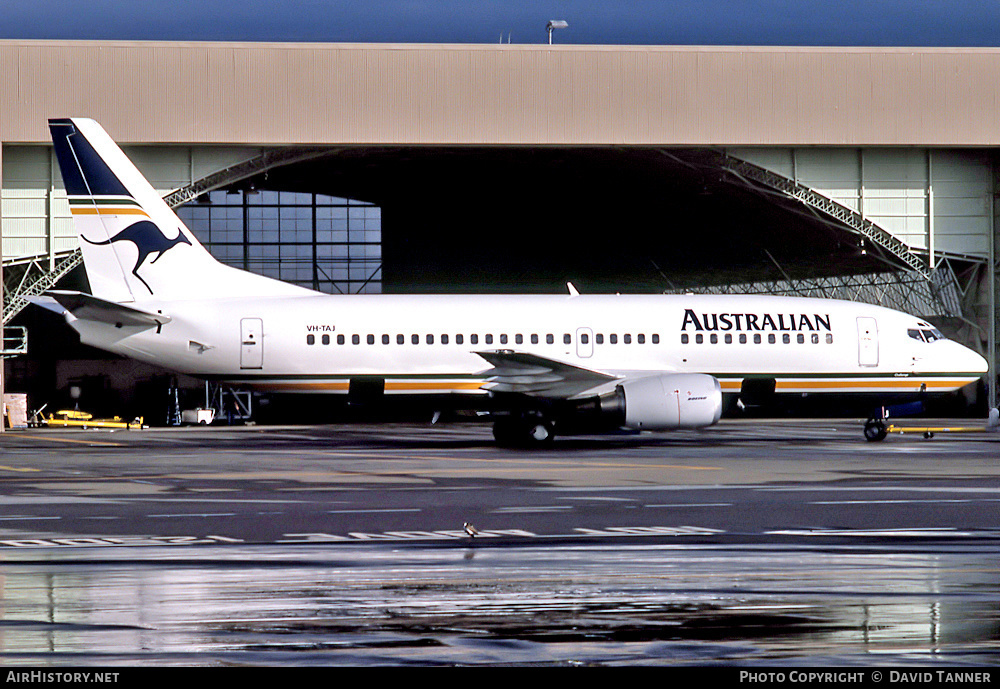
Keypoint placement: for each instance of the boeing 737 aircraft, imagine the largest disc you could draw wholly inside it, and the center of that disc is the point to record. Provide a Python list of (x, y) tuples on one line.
[(538, 365)]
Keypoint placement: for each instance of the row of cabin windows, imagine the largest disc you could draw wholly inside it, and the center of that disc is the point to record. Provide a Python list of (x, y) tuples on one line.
[(786, 338), (487, 339)]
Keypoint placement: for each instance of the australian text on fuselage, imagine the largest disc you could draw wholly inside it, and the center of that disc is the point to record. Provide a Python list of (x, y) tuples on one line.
[(755, 321)]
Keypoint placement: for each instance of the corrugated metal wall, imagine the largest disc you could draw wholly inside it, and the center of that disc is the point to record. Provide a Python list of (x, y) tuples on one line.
[(497, 94)]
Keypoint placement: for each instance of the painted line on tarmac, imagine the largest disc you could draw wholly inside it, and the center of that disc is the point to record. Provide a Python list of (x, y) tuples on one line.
[(933, 532), (376, 511), (72, 440), (354, 537)]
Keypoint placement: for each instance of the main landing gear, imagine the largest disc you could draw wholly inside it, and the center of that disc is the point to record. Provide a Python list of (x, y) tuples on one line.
[(523, 430)]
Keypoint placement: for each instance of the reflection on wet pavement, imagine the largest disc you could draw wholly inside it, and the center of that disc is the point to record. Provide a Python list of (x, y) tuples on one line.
[(369, 604)]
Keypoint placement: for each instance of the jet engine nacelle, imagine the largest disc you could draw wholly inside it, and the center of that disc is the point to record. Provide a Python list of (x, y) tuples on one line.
[(677, 400)]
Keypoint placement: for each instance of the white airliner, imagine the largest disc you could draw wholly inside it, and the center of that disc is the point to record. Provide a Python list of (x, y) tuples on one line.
[(538, 365)]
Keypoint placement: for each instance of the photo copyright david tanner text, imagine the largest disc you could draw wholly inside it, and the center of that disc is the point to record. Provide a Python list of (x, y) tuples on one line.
[(852, 677)]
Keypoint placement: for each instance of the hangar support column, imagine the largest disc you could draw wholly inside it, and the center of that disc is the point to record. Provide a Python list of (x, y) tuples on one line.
[(993, 296), (3, 362)]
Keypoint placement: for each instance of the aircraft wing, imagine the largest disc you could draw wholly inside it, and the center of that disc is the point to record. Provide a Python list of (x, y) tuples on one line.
[(91, 308), (538, 376)]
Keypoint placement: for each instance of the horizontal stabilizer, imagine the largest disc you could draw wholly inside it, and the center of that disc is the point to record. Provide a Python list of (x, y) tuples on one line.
[(530, 374), (46, 303), (87, 307)]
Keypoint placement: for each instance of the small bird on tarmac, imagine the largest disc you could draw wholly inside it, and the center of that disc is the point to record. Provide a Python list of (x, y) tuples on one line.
[(470, 529)]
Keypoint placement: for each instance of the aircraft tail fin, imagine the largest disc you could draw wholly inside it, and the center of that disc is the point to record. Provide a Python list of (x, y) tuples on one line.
[(135, 248)]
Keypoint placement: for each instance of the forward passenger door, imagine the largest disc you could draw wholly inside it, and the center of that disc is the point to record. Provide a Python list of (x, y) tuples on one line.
[(867, 341)]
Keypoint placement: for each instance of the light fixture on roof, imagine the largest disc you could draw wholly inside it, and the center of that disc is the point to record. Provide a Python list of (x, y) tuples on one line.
[(556, 24)]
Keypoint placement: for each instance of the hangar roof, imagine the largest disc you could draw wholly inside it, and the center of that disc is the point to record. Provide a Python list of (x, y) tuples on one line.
[(274, 94)]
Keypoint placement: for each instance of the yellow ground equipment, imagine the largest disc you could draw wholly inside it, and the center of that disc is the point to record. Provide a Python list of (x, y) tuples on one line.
[(929, 431), (876, 429), (67, 418)]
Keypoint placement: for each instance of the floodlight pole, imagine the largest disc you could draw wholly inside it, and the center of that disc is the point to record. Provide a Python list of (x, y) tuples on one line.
[(555, 24)]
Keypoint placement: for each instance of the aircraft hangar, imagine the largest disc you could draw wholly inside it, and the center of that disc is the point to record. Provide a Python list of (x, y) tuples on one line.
[(855, 173)]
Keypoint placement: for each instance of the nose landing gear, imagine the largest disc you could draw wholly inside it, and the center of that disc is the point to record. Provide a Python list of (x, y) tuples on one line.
[(875, 430)]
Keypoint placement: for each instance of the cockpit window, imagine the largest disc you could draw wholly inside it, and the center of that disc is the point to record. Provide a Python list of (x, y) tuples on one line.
[(925, 334)]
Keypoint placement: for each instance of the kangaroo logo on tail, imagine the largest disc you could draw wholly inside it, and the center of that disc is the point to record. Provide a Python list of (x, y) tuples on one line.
[(148, 239)]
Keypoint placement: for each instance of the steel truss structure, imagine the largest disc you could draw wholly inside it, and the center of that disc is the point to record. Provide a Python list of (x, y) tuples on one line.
[(33, 276), (849, 219)]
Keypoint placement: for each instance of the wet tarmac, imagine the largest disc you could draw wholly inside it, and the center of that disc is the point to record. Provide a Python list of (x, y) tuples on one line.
[(758, 544)]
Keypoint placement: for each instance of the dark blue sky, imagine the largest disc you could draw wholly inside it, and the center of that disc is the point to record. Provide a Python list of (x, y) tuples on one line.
[(637, 22)]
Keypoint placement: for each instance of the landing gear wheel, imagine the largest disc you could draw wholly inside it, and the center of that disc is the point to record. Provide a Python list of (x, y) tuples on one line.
[(505, 432), (875, 430), (539, 433), (523, 432)]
